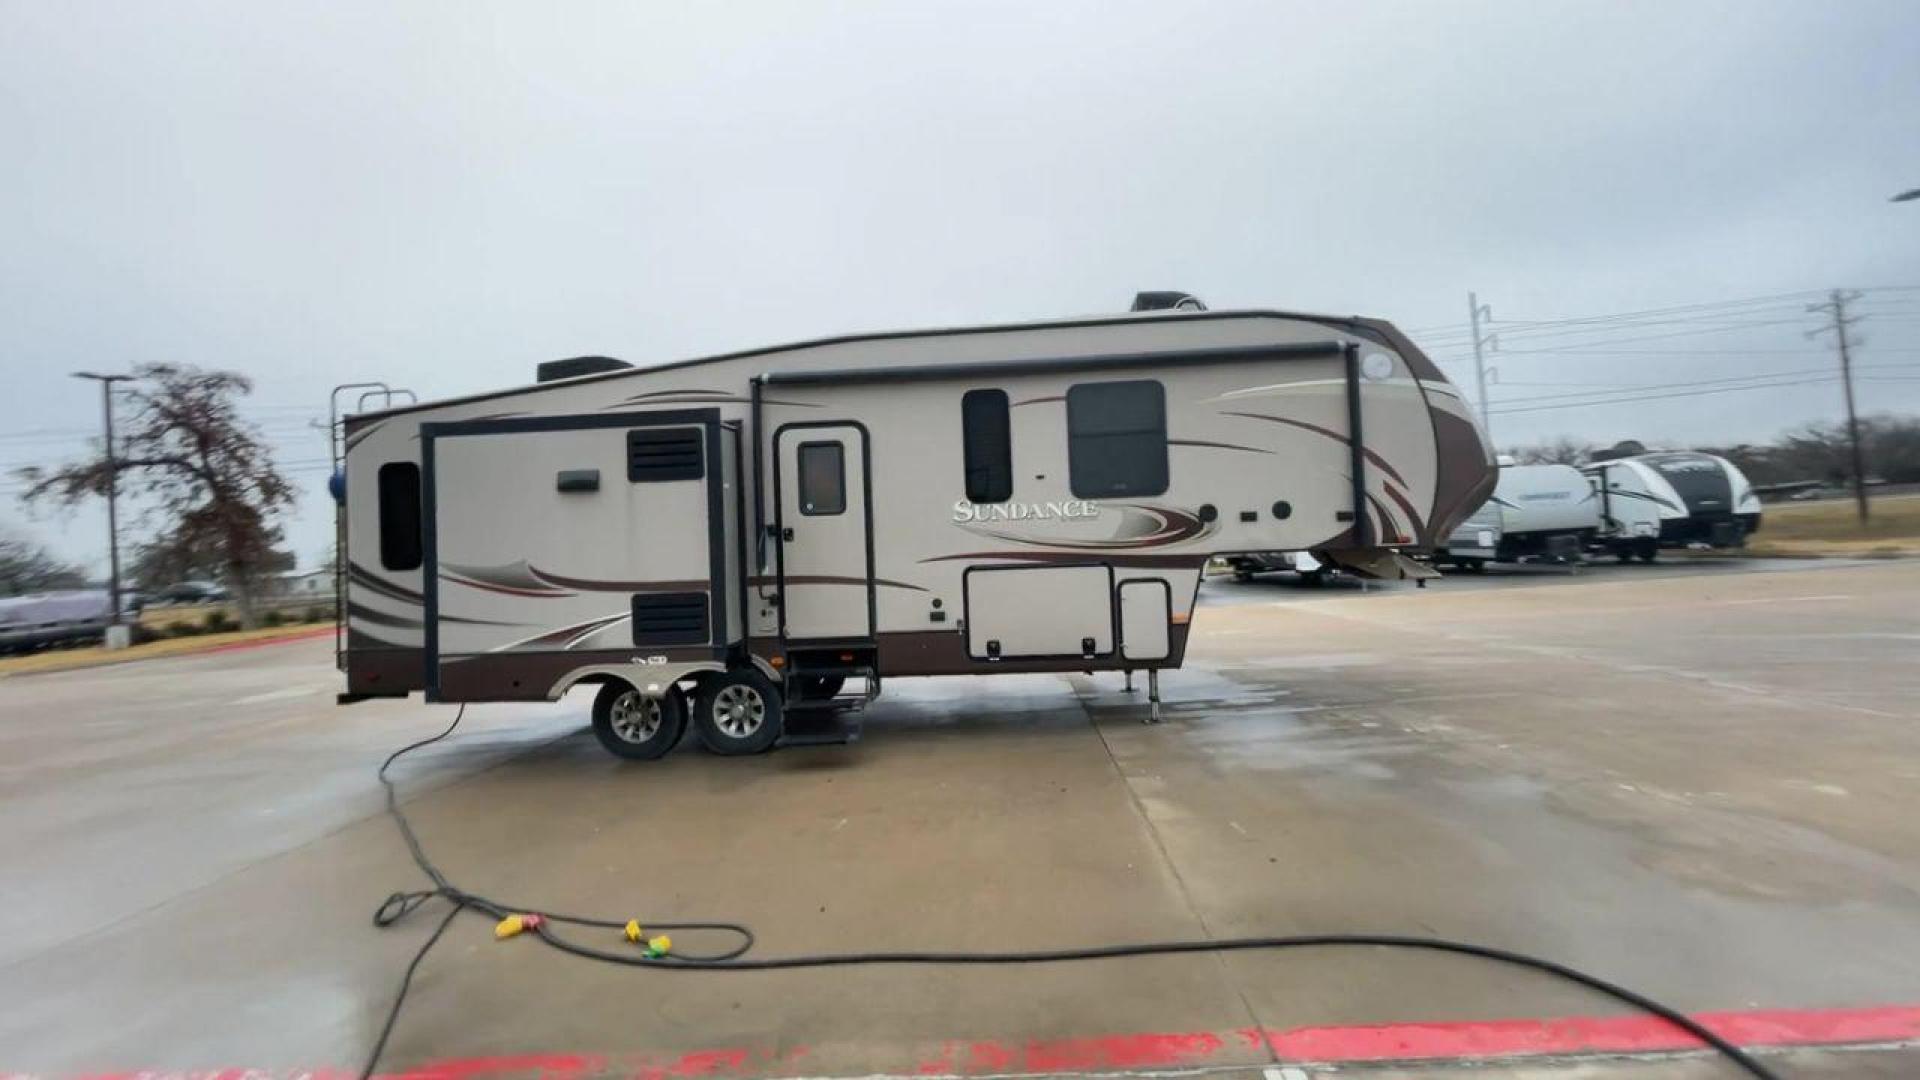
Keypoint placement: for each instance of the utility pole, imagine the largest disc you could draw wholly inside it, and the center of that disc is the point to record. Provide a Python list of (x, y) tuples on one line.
[(1836, 306), (1475, 312), (113, 487)]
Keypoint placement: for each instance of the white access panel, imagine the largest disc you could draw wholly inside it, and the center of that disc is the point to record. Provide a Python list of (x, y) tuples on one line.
[(1039, 611), (1146, 613)]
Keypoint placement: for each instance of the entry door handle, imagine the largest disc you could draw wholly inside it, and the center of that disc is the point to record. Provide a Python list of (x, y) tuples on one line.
[(786, 534)]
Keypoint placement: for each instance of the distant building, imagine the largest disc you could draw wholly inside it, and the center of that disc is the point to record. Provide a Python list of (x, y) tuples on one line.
[(312, 583)]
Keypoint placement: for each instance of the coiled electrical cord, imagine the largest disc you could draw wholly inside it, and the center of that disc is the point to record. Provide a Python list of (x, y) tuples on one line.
[(398, 905)]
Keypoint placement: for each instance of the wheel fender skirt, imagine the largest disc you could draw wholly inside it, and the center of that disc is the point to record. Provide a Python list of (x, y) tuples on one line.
[(1382, 563), (650, 679)]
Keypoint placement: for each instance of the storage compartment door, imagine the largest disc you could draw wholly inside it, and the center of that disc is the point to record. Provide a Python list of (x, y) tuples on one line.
[(1035, 612), (1146, 613), (557, 546)]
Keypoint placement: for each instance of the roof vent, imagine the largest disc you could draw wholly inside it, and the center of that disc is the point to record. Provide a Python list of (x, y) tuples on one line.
[(1171, 300), (575, 366)]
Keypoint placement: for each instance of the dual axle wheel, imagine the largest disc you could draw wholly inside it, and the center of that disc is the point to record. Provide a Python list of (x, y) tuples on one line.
[(734, 712)]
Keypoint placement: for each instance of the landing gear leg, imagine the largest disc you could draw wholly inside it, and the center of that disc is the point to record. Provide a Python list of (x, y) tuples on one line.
[(1129, 687), (1153, 695)]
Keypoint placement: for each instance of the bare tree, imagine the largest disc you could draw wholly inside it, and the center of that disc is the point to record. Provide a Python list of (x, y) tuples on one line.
[(205, 474), (1565, 450), (27, 567)]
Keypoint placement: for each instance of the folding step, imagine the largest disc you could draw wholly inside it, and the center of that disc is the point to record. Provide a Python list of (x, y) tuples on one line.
[(821, 727)]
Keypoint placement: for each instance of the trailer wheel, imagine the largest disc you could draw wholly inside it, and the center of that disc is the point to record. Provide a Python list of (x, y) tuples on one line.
[(632, 725), (738, 712), (1647, 551)]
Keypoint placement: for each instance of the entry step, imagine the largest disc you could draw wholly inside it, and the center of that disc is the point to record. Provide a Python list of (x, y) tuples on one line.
[(820, 727)]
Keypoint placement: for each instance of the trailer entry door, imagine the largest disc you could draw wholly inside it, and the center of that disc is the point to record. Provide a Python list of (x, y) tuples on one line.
[(826, 549)]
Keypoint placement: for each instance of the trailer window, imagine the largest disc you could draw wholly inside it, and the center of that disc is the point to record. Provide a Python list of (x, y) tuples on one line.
[(987, 441), (1117, 439), (400, 515), (823, 479)]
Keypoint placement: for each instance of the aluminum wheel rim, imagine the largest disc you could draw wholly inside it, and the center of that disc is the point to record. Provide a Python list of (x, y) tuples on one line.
[(635, 718), (738, 711)]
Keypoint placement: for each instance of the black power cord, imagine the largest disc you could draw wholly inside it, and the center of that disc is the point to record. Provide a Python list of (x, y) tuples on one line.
[(400, 904)]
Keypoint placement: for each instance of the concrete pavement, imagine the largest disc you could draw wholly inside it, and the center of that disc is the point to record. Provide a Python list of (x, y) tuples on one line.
[(1700, 784)]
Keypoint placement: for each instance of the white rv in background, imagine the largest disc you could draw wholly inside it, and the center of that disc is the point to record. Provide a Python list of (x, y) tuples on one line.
[(1672, 499), (1536, 512), (714, 541)]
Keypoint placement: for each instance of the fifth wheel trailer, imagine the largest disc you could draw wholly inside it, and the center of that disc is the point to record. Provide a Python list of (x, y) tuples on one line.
[(730, 536), (1672, 499)]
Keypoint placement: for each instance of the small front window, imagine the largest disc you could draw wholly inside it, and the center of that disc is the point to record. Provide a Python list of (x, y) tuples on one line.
[(399, 483)]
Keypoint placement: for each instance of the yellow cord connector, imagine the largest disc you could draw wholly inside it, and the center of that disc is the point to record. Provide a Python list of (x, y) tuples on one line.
[(512, 925), (658, 947), (634, 933)]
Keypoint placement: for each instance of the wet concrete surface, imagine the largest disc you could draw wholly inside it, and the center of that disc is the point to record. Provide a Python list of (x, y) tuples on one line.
[(1701, 782)]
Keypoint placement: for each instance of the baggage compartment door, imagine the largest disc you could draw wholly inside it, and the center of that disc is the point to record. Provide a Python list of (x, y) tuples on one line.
[(1040, 612)]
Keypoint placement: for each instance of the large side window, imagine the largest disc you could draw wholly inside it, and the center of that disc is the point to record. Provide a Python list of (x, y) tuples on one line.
[(823, 478), (987, 441), (400, 515), (1117, 439)]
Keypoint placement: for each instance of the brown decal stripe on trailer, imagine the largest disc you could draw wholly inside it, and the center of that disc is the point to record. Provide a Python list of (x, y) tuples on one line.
[(833, 579), (1464, 481), (944, 652), (1339, 437), (529, 676), (360, 575), (564, 637), (1413, 516), (383, 618), (1187, 561), (1218, 445), (513, 579), (1389, 527)]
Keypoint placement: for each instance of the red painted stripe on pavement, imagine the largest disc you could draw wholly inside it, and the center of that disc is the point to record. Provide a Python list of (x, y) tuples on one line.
[(261, 643), (1593, 1034), (1464, 1039)]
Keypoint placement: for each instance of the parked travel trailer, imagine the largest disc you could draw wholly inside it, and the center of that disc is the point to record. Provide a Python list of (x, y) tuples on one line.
[(1673, 499), (715, 541), (1475, 542)]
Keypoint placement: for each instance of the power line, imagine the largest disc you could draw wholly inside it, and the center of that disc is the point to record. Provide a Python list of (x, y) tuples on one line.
[(1579, 346), (1668, 386), (1657, 397)]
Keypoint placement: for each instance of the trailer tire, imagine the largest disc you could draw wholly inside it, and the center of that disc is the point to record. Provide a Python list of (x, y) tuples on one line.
[(633, 726), (738, 712), (1647, 551)]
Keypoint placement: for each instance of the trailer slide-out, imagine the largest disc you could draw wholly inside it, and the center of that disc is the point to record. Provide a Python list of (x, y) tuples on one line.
[(714, 542)]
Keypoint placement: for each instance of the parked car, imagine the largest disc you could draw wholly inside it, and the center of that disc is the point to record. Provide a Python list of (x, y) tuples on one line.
[(191, 592)]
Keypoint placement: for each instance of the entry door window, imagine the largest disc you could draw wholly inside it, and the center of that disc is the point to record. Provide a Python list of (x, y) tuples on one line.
[(823, 479)]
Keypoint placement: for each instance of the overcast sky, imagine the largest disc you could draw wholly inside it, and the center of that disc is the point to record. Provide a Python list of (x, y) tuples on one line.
[(441, 195)]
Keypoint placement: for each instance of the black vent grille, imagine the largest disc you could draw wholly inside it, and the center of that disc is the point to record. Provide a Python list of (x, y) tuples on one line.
[(670, 619), (655, 455)]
